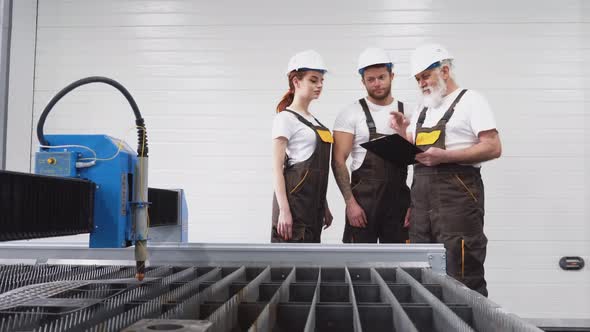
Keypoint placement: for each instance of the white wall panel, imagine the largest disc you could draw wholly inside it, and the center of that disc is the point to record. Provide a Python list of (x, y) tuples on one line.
[(207, 76), (20, 82)]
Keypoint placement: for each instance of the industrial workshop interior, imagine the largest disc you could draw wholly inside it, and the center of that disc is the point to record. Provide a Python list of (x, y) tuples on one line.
[(285, 166)]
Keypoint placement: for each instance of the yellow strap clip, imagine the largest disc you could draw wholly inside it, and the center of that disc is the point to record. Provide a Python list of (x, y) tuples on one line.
[(425, 138), (325, 135)]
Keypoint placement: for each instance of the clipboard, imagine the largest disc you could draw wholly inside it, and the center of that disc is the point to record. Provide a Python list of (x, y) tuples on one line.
[(393, 148)]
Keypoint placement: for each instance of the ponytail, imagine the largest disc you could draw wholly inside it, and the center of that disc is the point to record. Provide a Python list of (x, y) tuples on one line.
[(286, 100), (290, 95)]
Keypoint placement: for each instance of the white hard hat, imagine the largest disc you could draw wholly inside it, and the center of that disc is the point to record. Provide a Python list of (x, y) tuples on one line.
[(309, 59), (426, 56), (373, 56)]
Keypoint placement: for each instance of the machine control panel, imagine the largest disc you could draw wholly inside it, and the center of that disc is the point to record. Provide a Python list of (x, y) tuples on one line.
[(56, 163)]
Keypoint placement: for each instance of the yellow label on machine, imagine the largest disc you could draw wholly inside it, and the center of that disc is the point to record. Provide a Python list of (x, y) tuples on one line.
[(427, 138), (325, 135)]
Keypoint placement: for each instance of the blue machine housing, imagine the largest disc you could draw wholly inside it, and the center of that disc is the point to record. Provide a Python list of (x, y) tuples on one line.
[(113, 214)]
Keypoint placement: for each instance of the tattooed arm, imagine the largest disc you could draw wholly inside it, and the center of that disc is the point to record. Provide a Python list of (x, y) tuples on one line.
[(341, 150)]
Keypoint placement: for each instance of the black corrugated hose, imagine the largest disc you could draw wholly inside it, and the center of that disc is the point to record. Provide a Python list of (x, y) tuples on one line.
[(142, 151)]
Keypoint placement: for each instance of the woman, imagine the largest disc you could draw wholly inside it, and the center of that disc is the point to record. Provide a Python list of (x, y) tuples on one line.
[(301, 156)]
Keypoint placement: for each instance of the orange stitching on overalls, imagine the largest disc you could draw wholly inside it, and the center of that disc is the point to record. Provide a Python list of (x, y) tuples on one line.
[(462, 258), (300, 182), (466, 188)]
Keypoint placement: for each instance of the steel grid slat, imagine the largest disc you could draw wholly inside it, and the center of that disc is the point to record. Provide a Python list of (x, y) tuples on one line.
[(311, 316), (444, 319), (190, 308), (355, 311), (17, 296), (129, 317), (190, 303), (229, 309), (487, 316), (112, 306), (267, 318), (401, 321)]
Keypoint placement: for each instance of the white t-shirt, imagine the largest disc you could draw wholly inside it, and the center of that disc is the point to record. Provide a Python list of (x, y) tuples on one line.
[(472, 115), (301, 139), (352, 120)]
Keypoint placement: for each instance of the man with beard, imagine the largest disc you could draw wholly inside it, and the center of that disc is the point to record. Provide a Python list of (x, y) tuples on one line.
[(376, 194), (456, 129)]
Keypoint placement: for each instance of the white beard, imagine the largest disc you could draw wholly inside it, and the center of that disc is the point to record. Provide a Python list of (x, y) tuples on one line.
[(436, 95)]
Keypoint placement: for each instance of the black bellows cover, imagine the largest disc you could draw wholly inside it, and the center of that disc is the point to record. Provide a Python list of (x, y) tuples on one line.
[(164, 205), (35, 206)]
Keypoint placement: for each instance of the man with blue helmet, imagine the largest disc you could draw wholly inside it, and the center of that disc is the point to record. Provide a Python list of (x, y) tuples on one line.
[(375, 192), (457, 131)]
